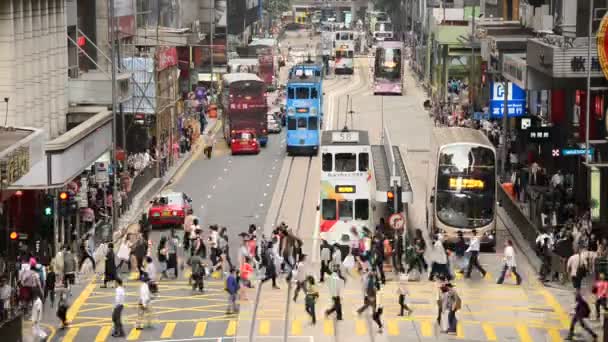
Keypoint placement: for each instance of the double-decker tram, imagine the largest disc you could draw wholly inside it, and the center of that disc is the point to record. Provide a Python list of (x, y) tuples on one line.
[(304, 114), (462, 190), (244, 106), (383, 30), (346, 176), (308, 69), (388, 68)]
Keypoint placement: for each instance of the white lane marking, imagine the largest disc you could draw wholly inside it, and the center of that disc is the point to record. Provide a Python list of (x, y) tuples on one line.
[(208, 196), (265, 194), (202, 206), (270, 175), (261, 204)]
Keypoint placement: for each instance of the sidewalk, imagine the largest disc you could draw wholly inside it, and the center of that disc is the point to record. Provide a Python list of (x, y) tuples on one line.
[(128, 223)]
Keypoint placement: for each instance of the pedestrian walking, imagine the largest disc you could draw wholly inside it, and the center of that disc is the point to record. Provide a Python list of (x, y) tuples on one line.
[(325, 260), (232, 287), (172, 243), (377, 258), (311, 298), (49, 288), (600, 289), (403, 293), (62, 309), (460, 248), (110, 266), (151, 274), (144, 313), (124, 253), (188, 231), (87, 249), (271, 270), (38, 332), (209, 141), (69, 269), (510, 263), (451, 303), (246, 272), (335, 285), (418, 263), (581, 312), (301, 276), (198, 273), (440, 260), (577, 268), (119, 302), (370, 288), (162, 256), (474, 248)]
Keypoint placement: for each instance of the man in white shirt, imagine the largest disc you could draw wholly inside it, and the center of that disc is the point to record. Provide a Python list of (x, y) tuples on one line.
[(145, 299), (510, 263), (37, 316), (119, 302), (301, 273), (335, 285), (577, 268), (474, 247)]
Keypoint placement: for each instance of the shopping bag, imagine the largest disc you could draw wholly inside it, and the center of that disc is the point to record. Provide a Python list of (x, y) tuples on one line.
[(349, 262)]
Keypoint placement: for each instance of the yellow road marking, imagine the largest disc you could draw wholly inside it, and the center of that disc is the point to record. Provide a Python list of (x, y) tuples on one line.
[(426, 328), (296, 327), (265, 327), (103, 334), (554, 335), (393, 327), (328, 327), (459, 330), (134, 335), (459, 276), (231, 329), (489, 331), (360, 327), (200, 329), (133, 275), (557, 308), (524, 334), (168, 330), (82, 298), (71, 334)]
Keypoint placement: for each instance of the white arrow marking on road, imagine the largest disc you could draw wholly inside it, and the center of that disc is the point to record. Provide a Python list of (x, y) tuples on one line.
[(202, 206), (270, 175)]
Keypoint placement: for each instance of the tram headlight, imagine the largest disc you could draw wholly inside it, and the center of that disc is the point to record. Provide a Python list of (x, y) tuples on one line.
[(313, 111), (291, 111)]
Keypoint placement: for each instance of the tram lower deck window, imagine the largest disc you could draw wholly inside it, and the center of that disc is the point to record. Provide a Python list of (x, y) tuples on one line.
[(363, 161), (313, 123), (328, 209), (291, 124), (345, 209), (346, 162), (361, 209), (302, 93)]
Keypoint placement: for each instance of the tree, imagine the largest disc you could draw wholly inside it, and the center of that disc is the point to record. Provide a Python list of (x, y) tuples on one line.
[(276, 7)]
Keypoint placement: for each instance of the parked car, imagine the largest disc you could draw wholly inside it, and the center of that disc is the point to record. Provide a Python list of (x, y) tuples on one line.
[(244, 141), (169, 209), (274, 123)]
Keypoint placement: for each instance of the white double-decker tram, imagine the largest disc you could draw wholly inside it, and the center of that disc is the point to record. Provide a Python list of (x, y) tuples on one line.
[(346, 177)]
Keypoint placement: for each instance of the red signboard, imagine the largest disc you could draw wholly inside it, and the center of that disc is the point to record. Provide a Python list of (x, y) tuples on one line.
[(165, 57)]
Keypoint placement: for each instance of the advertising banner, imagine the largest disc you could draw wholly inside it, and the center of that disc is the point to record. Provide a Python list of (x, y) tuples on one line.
[(516, 100), (166, 56)]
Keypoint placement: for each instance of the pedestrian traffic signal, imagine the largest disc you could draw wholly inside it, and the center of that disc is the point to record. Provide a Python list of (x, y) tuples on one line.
[(48, 206), (392, 197)]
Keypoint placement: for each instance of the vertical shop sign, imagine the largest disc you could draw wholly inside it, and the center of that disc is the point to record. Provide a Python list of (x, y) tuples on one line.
[(602, 44), (166, 57), (516, 101)]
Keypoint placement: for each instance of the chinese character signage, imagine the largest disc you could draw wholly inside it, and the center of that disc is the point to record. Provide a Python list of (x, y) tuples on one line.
[(516, 101), (166, 56), (15, 165)]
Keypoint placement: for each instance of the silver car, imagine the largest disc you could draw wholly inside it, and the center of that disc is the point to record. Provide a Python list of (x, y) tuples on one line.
[(274, 124)]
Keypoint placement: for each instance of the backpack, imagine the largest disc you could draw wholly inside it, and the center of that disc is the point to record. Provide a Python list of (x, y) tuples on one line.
[(457, 302)]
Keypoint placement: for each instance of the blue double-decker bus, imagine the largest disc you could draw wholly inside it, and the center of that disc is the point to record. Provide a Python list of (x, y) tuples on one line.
[(304, 114)]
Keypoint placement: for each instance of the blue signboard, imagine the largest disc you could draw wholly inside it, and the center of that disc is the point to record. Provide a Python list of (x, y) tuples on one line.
[(481, 116), (576, 151), (516, 101)]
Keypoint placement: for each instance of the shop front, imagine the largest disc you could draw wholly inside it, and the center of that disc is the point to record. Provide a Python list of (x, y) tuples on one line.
[(556, 77)]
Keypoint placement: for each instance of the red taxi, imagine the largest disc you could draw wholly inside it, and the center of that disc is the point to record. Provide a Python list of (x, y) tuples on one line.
[(169, 209), (244, 141)]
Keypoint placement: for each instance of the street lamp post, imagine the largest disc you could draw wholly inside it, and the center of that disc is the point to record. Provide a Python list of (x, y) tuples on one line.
[(114, 135), (588, 100)]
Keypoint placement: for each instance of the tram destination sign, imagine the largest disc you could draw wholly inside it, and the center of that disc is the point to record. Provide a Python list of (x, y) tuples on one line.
[(345, 189), (345, 137)]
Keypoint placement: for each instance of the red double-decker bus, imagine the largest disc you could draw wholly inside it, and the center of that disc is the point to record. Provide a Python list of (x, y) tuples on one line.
[(244, 105)]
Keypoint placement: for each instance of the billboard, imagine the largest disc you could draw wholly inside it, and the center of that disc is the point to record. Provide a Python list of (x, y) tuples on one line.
[(516, 100), (124, 22)]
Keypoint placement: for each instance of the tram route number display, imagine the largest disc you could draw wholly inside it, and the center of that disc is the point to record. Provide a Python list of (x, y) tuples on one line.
[(466, 183), (396, 221), (345, 137), (345, 189)]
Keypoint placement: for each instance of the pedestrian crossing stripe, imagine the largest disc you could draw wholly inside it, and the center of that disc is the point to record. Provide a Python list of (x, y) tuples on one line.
[(425, 327)]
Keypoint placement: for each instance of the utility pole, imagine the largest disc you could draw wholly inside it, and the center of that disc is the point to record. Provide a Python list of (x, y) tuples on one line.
[(505, 128), (211, 29), (473, 80), (588, 100), (114, 135)]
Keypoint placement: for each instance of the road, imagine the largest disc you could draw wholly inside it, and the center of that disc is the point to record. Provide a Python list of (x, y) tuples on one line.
[(273, 187)]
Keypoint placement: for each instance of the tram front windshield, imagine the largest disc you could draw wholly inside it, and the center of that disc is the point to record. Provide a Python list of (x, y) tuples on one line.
[(466, 186), (388, 64)]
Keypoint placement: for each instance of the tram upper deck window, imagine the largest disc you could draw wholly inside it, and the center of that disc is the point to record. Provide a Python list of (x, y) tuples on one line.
[(313, 123), (327, 162), (291, 124), (302, 93), (328, 209), (345, 209), (291, 93), (466, 186), (314, 93), (363, 161), (361, 209), (346, 162)]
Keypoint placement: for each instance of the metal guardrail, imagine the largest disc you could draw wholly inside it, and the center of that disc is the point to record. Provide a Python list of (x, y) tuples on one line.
[(522, 223), (388, 150)]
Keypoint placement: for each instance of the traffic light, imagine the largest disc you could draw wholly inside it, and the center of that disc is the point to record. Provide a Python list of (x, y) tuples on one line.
[(14, 236), (63, 203), (48, 206), (390, 200), (72, 203)]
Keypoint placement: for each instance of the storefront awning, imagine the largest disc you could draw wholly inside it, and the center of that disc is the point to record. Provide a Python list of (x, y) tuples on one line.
[(69, 154)]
